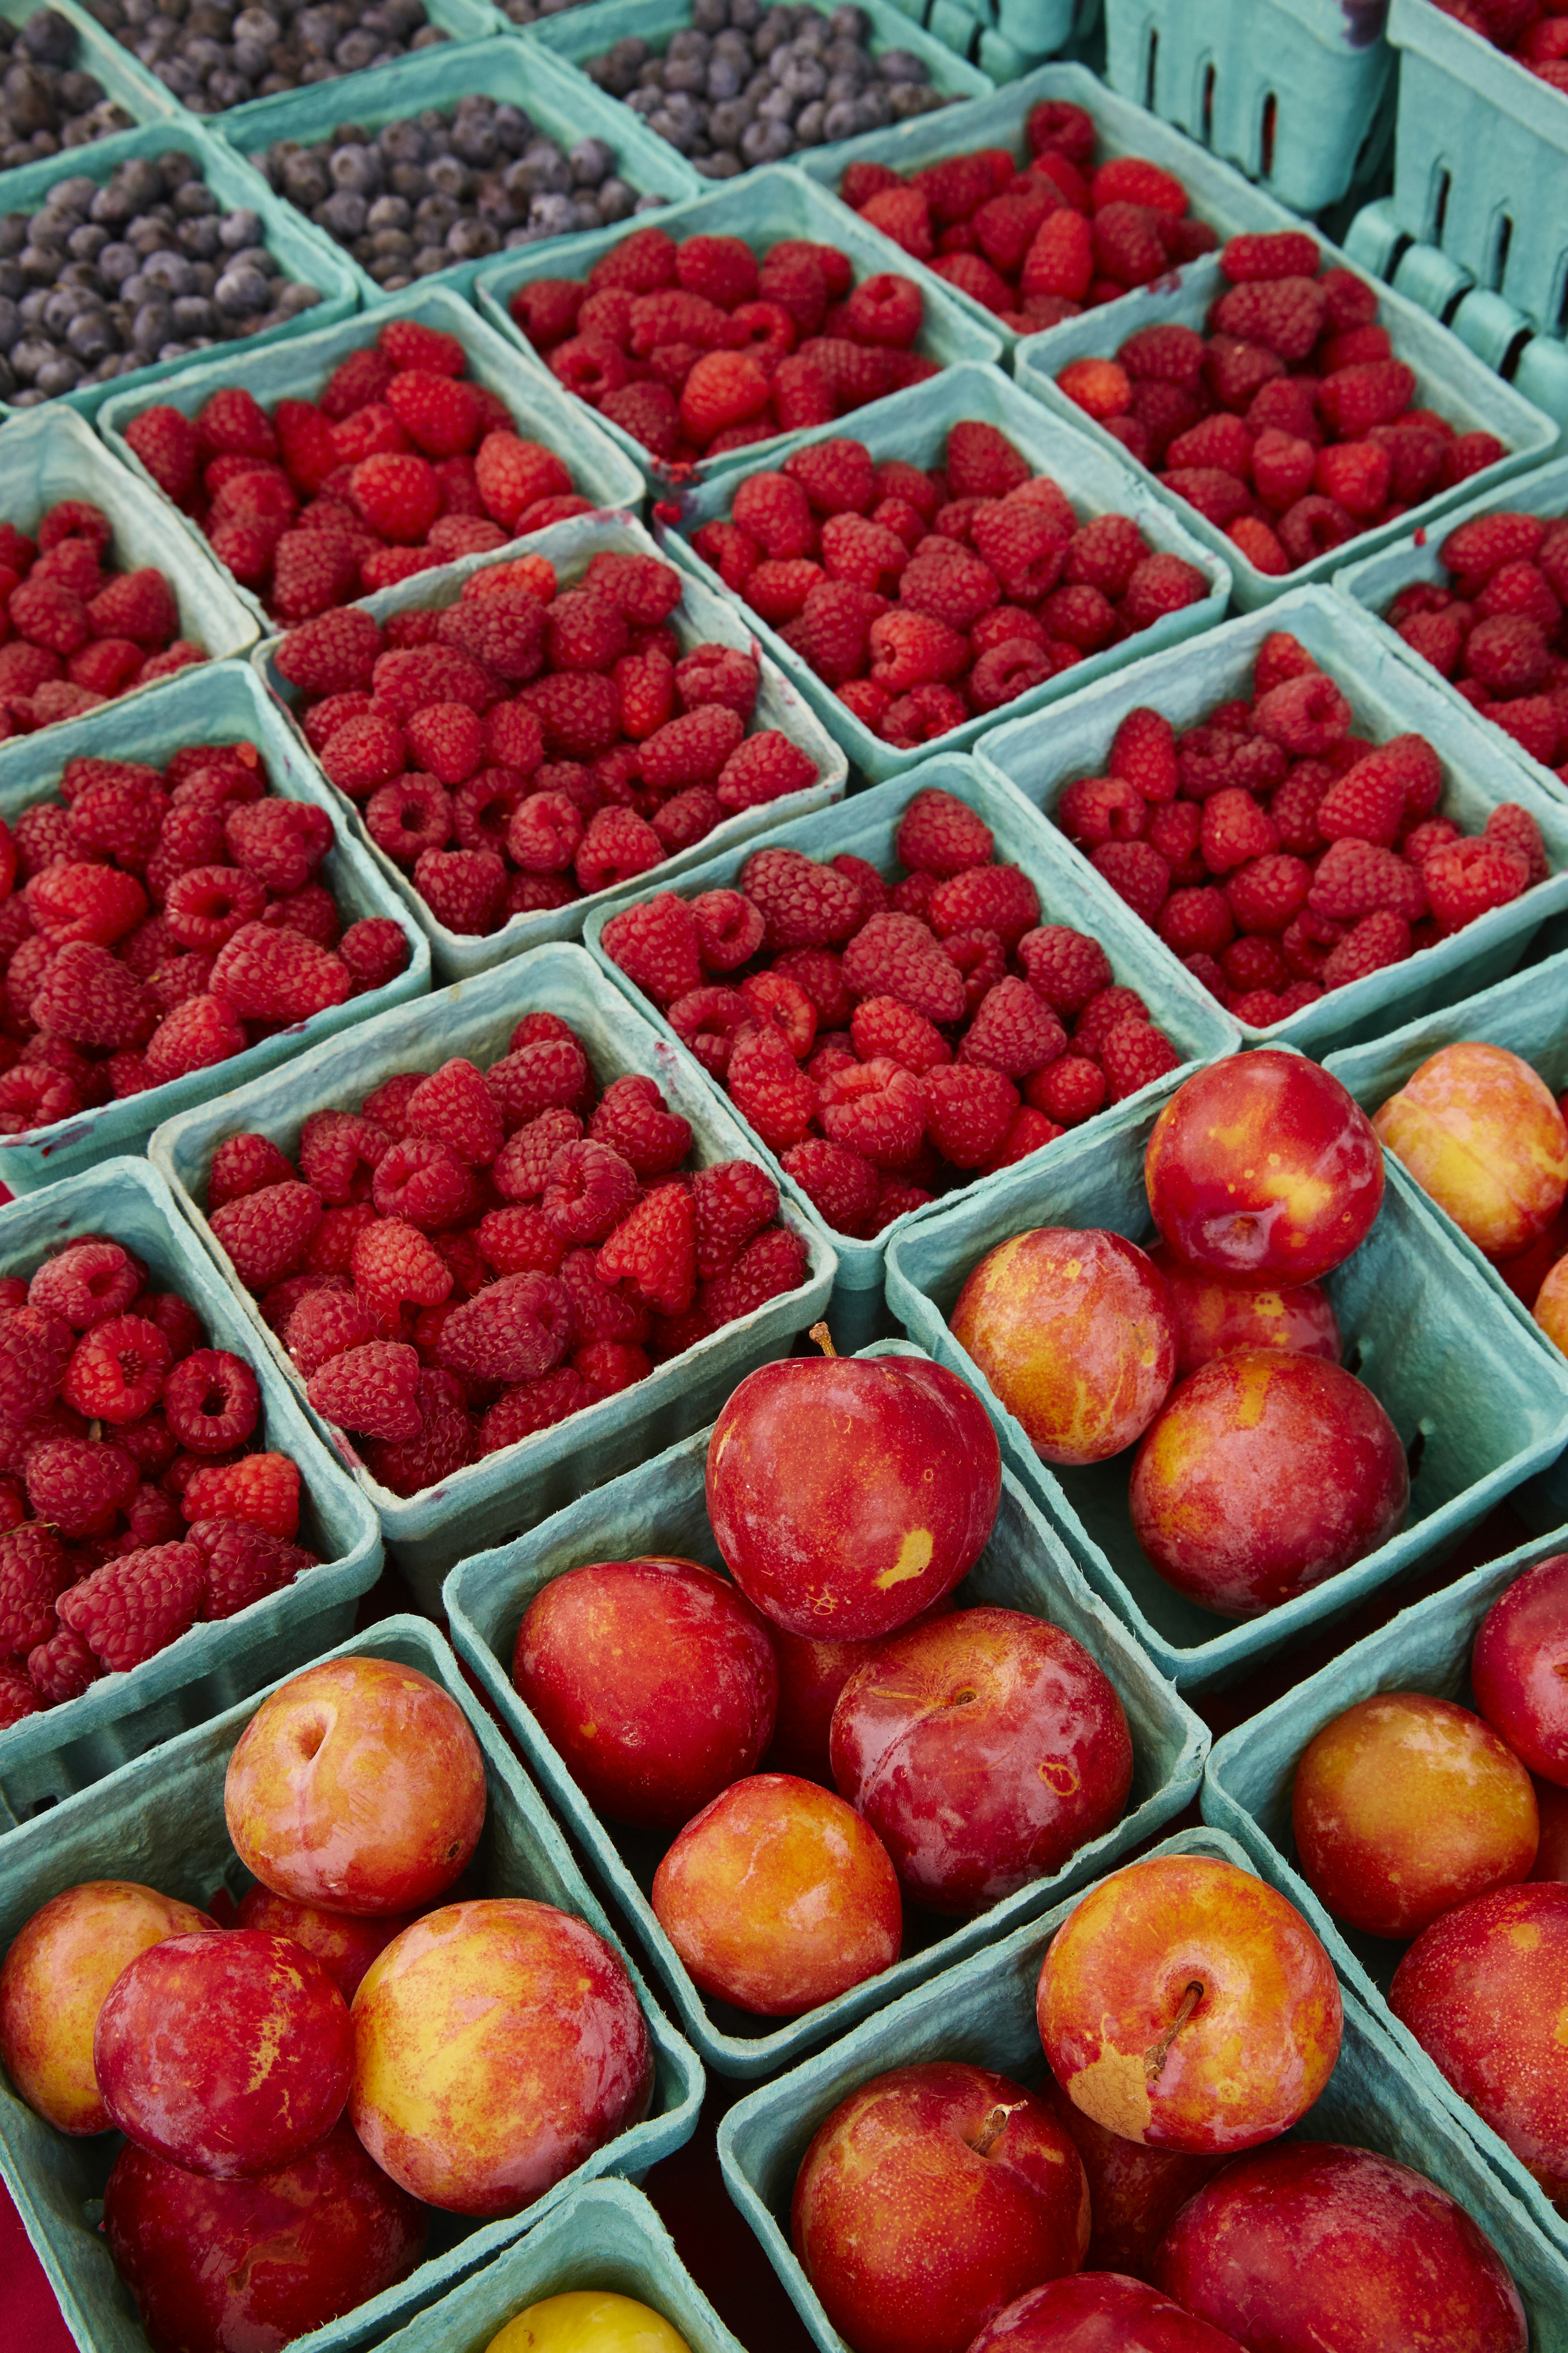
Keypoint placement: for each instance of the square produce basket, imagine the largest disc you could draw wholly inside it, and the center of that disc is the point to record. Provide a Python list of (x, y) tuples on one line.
[(1248, 1792), (984, 2011), (1388, 696), (1476, 1409), (508, 1492), (298, 371), (1448, 377), (914, 424), (217, 703), (561, 104), (867, 826), (45, 1757), (98, 53), (661, 1508), (160, 1821), (764, 207), (304, 253), (705, 615)]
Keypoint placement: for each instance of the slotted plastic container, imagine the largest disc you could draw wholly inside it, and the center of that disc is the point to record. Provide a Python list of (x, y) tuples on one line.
[(561, 104), (298, 371), (1297, 93), (984, 2011), (1477, 1412), (1388, 695), (99, 54), (219, 702), (867, 826), (703, 617), (660, 1508), (45, 1757), (160, 1821), (1450, 378), (764, 207), (1248, 1792), (302, 253), (510, 1492), (914, 424)]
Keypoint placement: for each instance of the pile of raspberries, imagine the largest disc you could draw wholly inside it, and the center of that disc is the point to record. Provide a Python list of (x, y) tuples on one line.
[(1289, 426), (1279, 854), (1044, 241), (400, 465), (154, 921), (473, 1255), (1532, 32), (1497, 628), (693, 346), (530, 744), (890, 1040), (923, 598), (131, 1505), (75, 632)]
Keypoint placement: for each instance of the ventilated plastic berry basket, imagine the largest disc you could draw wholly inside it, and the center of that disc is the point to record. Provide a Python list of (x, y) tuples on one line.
[(1297, 93), (1388, 696), (1219, 195), (219, 702), (703, 617), (493, 1501), (660, 1508), (561, 104), (867, 826), (298, 371), (1477, 1412), (160, 1821), (984, 2011), (1450, 378), (1247, 1793), (302, 253), (45, 1757), (914, 424), (764, 208), (99, 54)]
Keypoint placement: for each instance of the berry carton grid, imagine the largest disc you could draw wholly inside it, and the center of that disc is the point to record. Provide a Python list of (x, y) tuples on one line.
[(214, 702), (1387, 698), (660, 1508), (1247, 1795), (762, 207), (984, 2011), (867, 826), (45, 1757), (1450, 378), (562, 103), (298, 372), (1475, 1411), (493, 1501), (914, 425), (703, 617), (160, 1821)]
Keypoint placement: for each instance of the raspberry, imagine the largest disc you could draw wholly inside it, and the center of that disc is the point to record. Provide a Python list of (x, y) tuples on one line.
[(910, 649), (1218, 495), (545, 1073), (331, 655), (831, 632), (1479, 548), (733, 1200), (266, 1233), (242, 1564), (117, 1370), (133, 1607), (838, 1182), (1136, 873), (951, 583), (1235, 831), (1160, 585), (514, 1330), (762, 769), (1307, 715), (166, 443), (723, 389), (1099, 388), (1468, 879), (281, 841), (634, 1119), (999, 899), (60, 1669), (969, 1108), (589, 1189), (1508, 654), (1509, 825), (1265, 895), (1357, 474), (884, 1029), (875, 1109), (532, 1406), (1013, 1031), (1354, 879), (393, 1264), (517, 1239), (408, 816), (371, 1389), (456, 1108), (655, 1251), (34, 1573), (1252, 963), (1068, 1091), (1367, 801), (197, 1034), (443, 1444), (1195, 922), (1378, 940), (769, 1088), (1354, 399), (1021, 546), (267, 975), (522, 1165), (837, 475), (1101, 808), (85, 1283), (263, 1490), (326, 1323), (773, 999), (211, 1401), (803, 904), (1065, 967), (895, 955), (462, 888), (78, 902), (1134, 1054)]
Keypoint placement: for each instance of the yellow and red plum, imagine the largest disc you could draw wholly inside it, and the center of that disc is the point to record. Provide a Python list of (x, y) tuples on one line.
[(1519, 1667), (1098, 2312), (343, 1944), (1482, 1136), (1215, 1318)]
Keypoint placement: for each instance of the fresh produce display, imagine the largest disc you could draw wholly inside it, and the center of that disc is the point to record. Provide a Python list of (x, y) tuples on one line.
[(580, 2318), (1277, 852), (1531, 31), (221, 53), (1290, 424), (53, 104), (80, 630)]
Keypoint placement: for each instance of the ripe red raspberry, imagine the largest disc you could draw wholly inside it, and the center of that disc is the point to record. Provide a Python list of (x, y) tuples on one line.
[(263, 1490), (1354, 399), (1354, 879), (117, 1370), (277, 975), (1195, 922), (1235, 831), (1367, 802), (769, 1088), (1305, 714), (1468, 879), (969, 1108), (1133, 1055), (875, 1109), (1136, 873), (838, 1182), (198, 1033), (242, 1564), (266, 1233), (803, 904), (423, 1181), (74, 900), (1514, 828), (999, 899), (733, 1200), (454, 1107), (546, 1072), (634, 1118), (618, 847), (331, 655), (514, 1330), (58, 1669), (1013, 1031), (655, 1251), (394, 1264), (1068, 1091), (589, 1189), (1064, 967), (837, 475), (211, 1401), (282, 842), (1094, 809), (1265, 895), (133, 1607), (86, 1283), (34, 1573), (462, 888), (884, 1029), (167, 443), (1378, 940), (522, 1165), (775, 1264), (762, 769), (327, 1322), (896, 955), (1356, 475), (371, 1389), (773, 998)]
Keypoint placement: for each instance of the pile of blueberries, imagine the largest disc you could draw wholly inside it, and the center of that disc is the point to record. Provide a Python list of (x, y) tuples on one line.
[(215, 54), (46, 102), (530, 11), (104, 279), (421, 194), (746, 84)]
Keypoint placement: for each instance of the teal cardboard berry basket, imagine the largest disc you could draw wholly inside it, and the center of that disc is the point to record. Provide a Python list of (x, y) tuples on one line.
[(660, 1508), (497, 1499), (867, 826), (1388, 696), (1248, 1790), (219, 702), (982, 2012), (45, 1757), (124, 78), (1475, 1411), (160, 1819)]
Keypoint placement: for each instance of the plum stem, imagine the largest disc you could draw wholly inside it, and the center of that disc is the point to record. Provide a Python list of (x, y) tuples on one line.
[(824, 1339), (1159, 2051), (991, 2131)]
